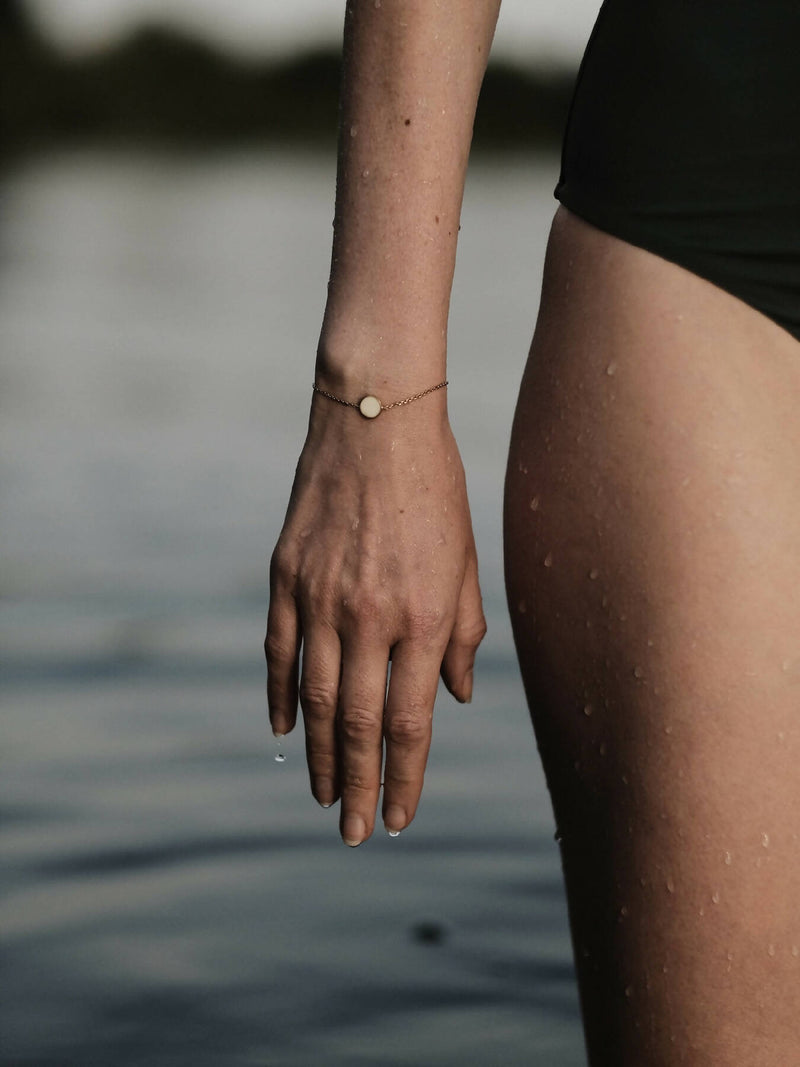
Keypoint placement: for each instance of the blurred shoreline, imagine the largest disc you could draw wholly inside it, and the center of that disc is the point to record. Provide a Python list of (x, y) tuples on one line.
[(160, 87)]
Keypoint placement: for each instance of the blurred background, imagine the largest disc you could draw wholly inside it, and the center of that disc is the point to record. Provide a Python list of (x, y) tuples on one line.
[(172, 894)]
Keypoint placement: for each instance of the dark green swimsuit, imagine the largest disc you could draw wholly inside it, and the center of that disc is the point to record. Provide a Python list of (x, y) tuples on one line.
[(684, 139)]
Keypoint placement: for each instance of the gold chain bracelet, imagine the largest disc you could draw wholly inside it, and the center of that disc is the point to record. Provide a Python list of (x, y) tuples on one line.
[(370, 407)]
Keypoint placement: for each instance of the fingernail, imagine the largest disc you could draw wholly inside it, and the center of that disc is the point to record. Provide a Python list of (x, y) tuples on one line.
[(324, 792), (394, 819), (354, 830)]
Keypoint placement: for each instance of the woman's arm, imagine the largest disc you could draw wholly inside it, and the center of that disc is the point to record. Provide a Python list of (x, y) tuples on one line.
[(376, 558), (412, 72)]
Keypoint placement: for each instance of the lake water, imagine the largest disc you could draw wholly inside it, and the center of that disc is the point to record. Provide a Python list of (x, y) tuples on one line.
[(172, 895)]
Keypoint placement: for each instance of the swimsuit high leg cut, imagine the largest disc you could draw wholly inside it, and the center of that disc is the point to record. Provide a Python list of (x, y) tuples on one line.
[(684, 138)]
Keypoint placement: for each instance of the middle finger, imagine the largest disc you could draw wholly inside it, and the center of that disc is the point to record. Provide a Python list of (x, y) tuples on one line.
[(360, 728)]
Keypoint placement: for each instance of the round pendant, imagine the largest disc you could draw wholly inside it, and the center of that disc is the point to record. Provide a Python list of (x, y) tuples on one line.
[(370, 407)]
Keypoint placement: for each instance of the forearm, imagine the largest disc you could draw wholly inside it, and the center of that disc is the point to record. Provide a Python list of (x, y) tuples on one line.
[(412, 73)]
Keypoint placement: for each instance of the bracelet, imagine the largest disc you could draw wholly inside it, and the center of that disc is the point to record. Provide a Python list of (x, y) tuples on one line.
[(370, 407)]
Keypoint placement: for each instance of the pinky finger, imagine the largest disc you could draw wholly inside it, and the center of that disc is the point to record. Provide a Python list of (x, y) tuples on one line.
[(282, 649)]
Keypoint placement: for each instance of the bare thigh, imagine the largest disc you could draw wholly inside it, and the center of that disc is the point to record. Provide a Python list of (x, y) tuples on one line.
[(652, 531)]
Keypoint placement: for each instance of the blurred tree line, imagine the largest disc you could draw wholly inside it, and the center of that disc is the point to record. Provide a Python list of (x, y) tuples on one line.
[(163, 87)]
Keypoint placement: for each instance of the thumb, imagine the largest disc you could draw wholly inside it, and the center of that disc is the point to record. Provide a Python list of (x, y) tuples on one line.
[(468, 631)]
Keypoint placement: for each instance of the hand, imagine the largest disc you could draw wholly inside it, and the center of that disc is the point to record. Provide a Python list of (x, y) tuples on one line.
[(376, 562)]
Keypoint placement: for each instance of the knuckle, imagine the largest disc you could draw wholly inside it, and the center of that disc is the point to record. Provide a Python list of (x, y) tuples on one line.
[(424, 621), (318, 699), (282, 566), (473, 633), (359, 724), (354, 783), (277, 649), (407, 728), (364, 609)]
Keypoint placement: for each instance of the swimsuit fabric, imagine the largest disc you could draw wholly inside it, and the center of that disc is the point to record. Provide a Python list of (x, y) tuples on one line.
[(684, 138)]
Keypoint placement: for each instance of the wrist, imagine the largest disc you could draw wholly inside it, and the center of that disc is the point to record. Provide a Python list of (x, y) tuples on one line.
[(354, 358)]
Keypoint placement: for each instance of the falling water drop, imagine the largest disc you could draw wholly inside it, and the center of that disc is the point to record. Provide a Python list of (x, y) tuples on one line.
[(280, 758)]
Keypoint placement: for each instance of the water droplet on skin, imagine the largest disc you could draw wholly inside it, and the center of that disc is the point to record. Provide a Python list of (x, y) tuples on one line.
[(593, 573), (765, 840), (535, 503), (548, 559), (280, 758), (771, 950), (603, 748), (637, 671), (670, 886), (643, 882), (522, 607), (624, 779), (623, 911), (728, 858), (354, 131), (558, 836), (392, 833), (611, 369), (365, 173), (715, 897), (781, 736), (588, 709), (796, 950), (629, 991), (667, 729)]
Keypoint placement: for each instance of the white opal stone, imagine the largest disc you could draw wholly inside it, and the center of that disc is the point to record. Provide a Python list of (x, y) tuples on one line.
[(370, 407)]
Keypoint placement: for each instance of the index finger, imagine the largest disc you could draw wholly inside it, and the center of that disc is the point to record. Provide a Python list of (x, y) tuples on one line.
[(408, 728)]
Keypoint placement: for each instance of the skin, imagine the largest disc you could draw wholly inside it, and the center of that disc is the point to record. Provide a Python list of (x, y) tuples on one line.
[(652, 546), (376, 559), (652, 563)]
